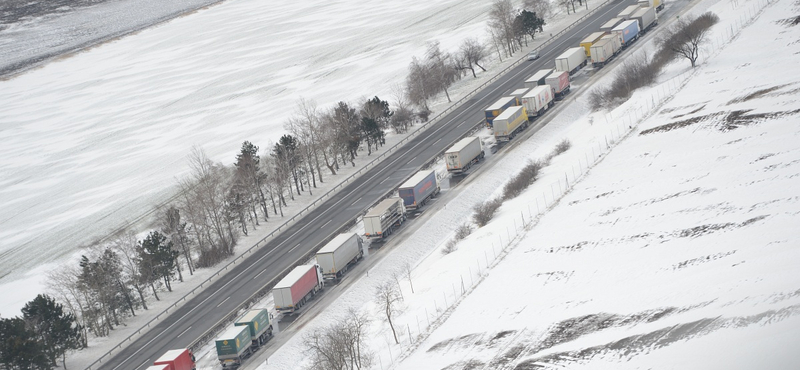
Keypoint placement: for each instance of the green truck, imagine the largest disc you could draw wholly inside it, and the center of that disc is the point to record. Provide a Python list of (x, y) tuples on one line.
[(233, 346), (257, 320)]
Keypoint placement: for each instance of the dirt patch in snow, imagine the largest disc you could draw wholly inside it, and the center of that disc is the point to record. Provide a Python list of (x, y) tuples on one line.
[(757, 94), (710, 228), (789, 22), (725, 121)]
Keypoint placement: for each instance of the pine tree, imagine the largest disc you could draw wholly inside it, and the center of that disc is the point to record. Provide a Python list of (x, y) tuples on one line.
[(55, 329), (19, 347)]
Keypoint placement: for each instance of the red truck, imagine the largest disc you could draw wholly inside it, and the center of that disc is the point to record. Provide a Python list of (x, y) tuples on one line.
[(176, 359), (297, 287)]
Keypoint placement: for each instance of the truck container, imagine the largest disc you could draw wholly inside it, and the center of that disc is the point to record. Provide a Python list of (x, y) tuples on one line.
[(628, 11), (646, 17), (381, 221), (613, 22), (158, 367), (339, 254), (559, 81), (417, 190), (233, 346), (538, 78), (257, 320), (627, 32), (463, 154), (538, 100), (518, 93), (658, 4), (177, 359), (510, 122), (296, 288), (604, 50), (571, 60), (498, 107), (587, 43)]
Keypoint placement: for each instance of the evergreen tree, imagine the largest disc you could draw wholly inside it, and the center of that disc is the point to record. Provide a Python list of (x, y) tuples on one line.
[(157, 255), (55, 329), (530, 23), (19, 347)]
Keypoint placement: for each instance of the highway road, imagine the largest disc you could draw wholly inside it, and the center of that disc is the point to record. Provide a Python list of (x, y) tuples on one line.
[(187, 323)]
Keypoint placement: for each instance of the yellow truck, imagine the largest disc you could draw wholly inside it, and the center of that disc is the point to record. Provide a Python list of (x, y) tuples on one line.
[(510, 122), (590, 40)]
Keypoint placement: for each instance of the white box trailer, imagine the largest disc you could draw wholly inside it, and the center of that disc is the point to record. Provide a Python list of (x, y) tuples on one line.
[(538, 100), (463, 154), (646, 17), (381, 220), (508, 123), (538, 78), (518, 93), (339, 254), (604, 50), (571, 60), (613, 22), (628, 11)]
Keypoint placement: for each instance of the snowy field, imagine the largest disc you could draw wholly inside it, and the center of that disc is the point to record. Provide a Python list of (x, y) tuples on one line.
[(665, 238), (92, 141)]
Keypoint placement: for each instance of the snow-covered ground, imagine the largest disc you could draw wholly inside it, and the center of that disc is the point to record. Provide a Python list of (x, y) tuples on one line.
[(666, 237), (93, 141)]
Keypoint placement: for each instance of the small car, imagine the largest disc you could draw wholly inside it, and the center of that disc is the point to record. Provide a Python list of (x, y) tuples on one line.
[(533, 55)]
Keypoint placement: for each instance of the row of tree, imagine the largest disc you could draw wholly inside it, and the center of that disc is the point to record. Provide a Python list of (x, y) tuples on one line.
[(509, 30), (217, 204)]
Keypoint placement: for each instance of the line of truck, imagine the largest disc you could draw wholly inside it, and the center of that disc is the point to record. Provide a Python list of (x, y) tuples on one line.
[(506, 117)]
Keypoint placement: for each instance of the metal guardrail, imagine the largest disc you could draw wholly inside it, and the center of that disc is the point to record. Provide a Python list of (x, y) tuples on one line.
[(369, 165)]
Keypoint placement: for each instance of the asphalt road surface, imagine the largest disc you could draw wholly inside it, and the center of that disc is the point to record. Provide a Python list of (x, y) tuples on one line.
[(189, 322)]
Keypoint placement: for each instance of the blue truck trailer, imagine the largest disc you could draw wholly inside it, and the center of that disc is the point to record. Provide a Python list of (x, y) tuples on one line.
[(418, 189), (627, 32)]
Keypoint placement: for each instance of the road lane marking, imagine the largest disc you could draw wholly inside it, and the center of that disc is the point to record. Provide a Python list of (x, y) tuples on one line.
[(412, 160), (183, 332), (293, 248), (259, 274), (325, 224), (223, 301), (352, 204)]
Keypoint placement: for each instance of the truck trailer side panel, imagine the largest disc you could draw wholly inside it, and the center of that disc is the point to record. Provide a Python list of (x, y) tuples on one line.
[(627, 32), (463, 154), (232, 345), (257, 321), (646, 17), (613, 22), (177, 359), (298, 283), (538, 100), (338, 253), (560, 83), (416, 190), (571, 60), (509, 122), (379, 220)]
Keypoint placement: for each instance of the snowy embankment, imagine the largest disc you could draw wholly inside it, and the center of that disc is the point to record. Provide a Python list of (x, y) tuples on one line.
[(665, 238)]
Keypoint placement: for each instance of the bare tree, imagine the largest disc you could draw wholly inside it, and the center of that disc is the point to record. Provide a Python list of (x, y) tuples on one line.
[(684, 38), (388, 298), (340, 346), (442, 68), (420, 83), (125, 244), (501, 21), (472, 52), (407, 270)]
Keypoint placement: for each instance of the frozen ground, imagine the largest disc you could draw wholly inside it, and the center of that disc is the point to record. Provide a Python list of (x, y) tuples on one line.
[(92, 141), (33, 32), (666, 237)]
